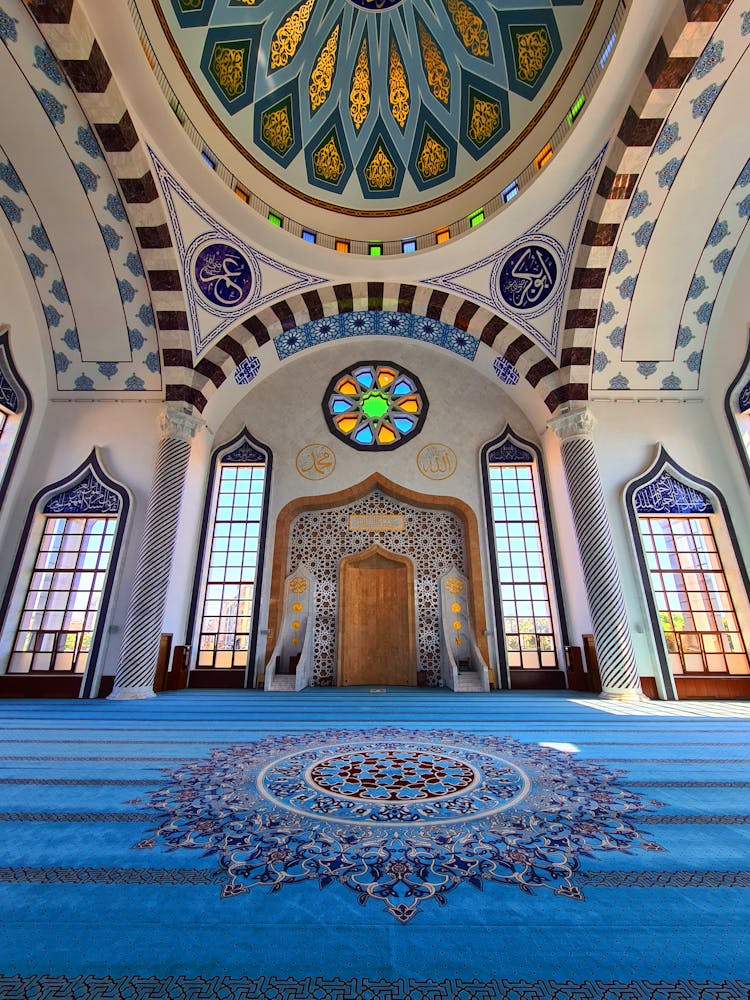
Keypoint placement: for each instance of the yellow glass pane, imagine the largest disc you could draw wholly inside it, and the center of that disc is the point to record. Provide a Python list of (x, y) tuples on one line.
[(411, 405), (346, 424), (348, 387), (386, 435), (385, 377)]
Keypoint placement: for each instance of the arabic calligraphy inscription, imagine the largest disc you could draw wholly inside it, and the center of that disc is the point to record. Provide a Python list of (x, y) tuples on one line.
[(223, 275), (437, 461), (528, 277), (316, 461)]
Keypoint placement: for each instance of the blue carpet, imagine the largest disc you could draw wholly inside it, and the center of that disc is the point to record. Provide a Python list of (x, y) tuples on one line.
[(345, 845)]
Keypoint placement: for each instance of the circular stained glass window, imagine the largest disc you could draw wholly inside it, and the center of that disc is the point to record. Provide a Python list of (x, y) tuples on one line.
[(375, 405)]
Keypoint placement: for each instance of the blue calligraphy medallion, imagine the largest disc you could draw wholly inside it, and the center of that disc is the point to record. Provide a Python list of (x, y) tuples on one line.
[(223, 275), (528, 277)]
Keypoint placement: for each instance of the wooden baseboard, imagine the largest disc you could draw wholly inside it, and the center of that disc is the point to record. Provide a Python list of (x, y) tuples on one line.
[(713, 687), (40, 685), (537, 680), (223, 679), (649, 688)]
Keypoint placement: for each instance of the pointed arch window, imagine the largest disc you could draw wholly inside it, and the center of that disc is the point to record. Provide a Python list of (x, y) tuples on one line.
[(72, 539), (526, 585), (694, 578), (224, 608)]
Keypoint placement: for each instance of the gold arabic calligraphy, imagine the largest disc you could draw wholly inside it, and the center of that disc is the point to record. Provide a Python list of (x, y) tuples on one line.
[(316, 461), (437, 461)]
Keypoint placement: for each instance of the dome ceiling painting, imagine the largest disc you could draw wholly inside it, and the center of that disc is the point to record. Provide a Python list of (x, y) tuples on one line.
[(376, 107)]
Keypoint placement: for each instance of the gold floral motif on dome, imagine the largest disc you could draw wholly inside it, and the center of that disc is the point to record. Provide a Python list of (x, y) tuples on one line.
[(321, 77), (433, 158), (298, 585), (470, 27), (485, 121), (359, 95), (436, 69), (228, 68), (532, 53), (380, 172), (289, 35), (277, 130), (191, 4), (398, 87), (328, 162)]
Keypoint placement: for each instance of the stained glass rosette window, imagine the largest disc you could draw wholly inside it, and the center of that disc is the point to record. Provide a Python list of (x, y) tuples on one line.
[(375, 405)]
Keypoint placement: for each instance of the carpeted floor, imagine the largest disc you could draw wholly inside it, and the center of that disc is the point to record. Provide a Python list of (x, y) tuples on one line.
[(375, 845)]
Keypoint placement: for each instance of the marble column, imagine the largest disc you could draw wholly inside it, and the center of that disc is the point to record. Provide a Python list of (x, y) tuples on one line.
[(614, 648), (143, 625)]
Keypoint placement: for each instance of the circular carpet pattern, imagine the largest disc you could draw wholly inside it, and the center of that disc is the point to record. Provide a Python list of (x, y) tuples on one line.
[(396, 816)]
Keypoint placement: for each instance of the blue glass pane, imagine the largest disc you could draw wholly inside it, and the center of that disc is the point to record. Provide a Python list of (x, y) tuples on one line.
[(365, 377), (364, 435), (401, 387), (340, 405), (403, 424)]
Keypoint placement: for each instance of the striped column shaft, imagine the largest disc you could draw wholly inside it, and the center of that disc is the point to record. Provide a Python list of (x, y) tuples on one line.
[(143, 626), (614, 648)]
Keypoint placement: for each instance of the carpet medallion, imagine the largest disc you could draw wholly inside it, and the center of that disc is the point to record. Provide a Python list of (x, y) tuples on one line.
[(398, 817)]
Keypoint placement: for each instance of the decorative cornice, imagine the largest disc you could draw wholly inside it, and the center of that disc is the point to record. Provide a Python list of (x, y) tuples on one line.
[(576, 424)]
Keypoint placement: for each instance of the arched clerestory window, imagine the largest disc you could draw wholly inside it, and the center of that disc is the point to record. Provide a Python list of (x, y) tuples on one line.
[(223, 620), (525, 580), (693, 576), (56, 607), (15, 413)]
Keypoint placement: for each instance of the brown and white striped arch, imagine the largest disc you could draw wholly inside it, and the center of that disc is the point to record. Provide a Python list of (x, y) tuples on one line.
[(690, 25), (71, 39)]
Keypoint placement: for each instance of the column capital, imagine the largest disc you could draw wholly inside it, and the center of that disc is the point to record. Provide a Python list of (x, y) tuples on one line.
[(178, 425), (575, 424)]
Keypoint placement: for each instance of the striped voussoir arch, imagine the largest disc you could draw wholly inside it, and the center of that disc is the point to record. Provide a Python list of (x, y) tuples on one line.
[(71, 39), (222, 358), (614, 647), (690, 25)]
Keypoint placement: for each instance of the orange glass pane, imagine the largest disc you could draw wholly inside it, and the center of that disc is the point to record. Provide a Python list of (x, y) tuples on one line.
[(347, 386), (385, 377), (346, 424), (411, 405), (386, 435)]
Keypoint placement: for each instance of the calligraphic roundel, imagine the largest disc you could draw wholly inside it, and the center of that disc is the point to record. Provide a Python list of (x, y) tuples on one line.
[(223, 275), (528, 277)]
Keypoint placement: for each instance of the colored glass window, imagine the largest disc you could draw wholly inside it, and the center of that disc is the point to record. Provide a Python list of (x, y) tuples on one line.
[(375, 405), (607, 50), (308, 236), (208, 160), (543, 157), (275, 219), (242, 195), (508, 193), (376, 249), (65, 591), (476, 217), (528, 625), (575, 109), (409, 246), (442, 235), (695, 608), (342, 246), (226, 622)]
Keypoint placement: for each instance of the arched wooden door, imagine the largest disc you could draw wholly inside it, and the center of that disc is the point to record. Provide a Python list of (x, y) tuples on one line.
[(376, 632)]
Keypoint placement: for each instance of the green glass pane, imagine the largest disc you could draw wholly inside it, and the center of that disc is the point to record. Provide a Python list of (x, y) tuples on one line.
[(375, 405)]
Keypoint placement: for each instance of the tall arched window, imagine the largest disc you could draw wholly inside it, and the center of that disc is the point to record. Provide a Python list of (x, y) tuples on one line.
[(737, 409), (525, 580), (223, 615), (685, 548), (63, 579), (15, 412)]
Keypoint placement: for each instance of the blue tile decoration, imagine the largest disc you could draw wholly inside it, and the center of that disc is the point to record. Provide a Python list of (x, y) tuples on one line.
[(607, 312), (10, 209), (37, 64), (617, 337), (620, 261), (8, 395), (668, 136), (619, 382), (363, 808), (721, 262), (667, 495), (684, 336), (671, 382), (152, 362), (521, 285), (703, 313), (745, 26), (709, 59), (744, 207), (90, 496), (505, 371), (743, 401), (697, 287), (8, 24), (509, 453), (107, 368), (364, 323), (705, 100), (646, 368), (643, 234), (667, 174), (719, 232), (638, 204), (600, 361), (693, 362), (134, 383), (627, 287)]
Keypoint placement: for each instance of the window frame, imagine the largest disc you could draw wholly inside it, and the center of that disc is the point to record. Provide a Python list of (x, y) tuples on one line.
[(727, 547), (24, 563), (200, 579), (549, 554)]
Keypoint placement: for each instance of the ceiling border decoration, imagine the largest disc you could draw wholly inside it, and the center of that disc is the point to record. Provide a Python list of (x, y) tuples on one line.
[(225, 279), (526, 280)]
